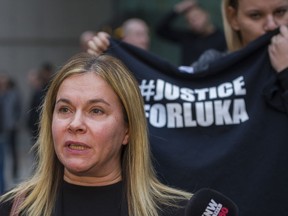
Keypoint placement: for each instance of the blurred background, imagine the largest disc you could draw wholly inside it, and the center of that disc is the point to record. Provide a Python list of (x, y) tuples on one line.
[(38, 34)]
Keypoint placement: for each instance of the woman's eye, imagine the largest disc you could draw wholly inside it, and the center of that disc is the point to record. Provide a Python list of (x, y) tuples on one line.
[(96, 111), (280, 12), (255, 16), (63, 110)]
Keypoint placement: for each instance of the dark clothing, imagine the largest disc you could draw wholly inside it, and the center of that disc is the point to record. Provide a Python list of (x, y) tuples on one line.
[(81, 200), (192, 45), (75, 200), (224, 128), (1, 113), (274, 93), (12, 112), (5, 208), (1, 145), (2, 142), (206, 59), (2, 183), (34, 111)]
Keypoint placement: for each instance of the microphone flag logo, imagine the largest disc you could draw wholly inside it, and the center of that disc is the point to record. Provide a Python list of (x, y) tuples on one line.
[(215, 209)]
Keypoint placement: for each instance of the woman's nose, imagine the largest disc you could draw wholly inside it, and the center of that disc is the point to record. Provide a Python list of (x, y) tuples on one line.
[(270, 23), (77, 123)]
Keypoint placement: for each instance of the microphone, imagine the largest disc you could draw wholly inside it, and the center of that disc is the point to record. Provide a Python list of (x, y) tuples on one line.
[(208, 202)]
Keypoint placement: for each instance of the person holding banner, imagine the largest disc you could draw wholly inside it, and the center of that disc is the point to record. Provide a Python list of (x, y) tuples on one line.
[(244, 21), (245, 157), (199, 34), (94, 153)]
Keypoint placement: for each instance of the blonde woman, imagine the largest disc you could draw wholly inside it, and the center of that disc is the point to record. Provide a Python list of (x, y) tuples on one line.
[(246, 20), (94, 156)]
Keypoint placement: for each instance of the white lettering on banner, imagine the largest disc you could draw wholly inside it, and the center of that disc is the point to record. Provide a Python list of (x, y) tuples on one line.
[(199, 107), (164, 90)]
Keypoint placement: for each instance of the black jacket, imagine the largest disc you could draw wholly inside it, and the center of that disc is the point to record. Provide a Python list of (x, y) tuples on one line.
[(192, 45)]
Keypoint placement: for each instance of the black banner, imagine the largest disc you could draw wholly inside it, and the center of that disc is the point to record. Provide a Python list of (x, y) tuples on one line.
[(225, 128)]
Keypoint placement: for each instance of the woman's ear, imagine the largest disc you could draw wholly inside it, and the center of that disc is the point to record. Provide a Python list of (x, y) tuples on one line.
[(232, 18), (126, 137)]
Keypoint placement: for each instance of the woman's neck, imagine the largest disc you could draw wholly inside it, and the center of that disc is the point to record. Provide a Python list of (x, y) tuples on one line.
[(88, 180)]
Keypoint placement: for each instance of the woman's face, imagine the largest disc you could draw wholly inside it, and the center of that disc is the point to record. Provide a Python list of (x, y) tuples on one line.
[(254, 18), (88, 127)]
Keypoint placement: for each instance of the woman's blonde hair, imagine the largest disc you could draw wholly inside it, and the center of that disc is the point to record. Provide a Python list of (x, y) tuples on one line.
[(233, 38), (145, 194)]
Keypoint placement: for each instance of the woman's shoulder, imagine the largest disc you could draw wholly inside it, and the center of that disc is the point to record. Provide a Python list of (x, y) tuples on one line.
[(5, 207), (11, 202)]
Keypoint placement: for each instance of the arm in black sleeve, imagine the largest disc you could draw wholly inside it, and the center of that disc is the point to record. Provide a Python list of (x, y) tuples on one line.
[(165, 27), (283, 80), (276, 93)]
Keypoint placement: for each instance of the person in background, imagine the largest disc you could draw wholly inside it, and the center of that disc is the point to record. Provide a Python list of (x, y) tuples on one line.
[(94, 155), (135, 31), (39, 80), (244, 21), (2, 141), (12, 108), (199, 35), (10, 113)]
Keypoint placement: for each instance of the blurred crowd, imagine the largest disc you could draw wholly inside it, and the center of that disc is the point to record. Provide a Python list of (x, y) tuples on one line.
[(16, 117)]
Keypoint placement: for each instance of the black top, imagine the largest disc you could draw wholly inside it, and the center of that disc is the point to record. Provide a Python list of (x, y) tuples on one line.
[(5, 208), (1, 113), (192, 45), (75, 200), (104, 201), (81, 200)]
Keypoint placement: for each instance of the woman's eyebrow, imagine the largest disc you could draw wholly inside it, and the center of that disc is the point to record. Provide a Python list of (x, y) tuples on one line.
[(63, 100), (100, 100), (92, 101)]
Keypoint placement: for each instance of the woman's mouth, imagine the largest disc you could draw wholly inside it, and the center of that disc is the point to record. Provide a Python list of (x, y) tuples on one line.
[(77, 147)]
